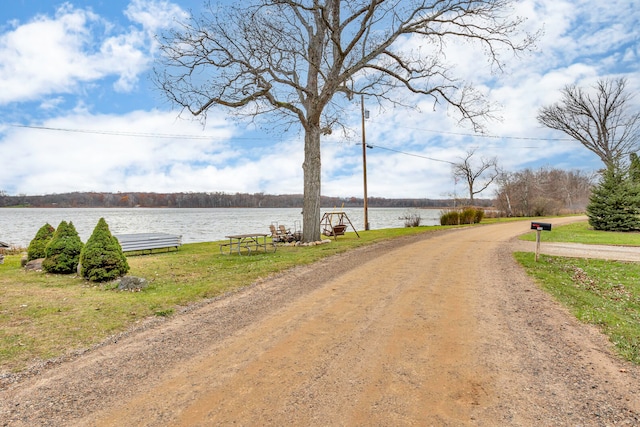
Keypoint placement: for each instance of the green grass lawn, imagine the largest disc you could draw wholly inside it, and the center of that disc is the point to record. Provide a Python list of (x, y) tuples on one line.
[(599, 292), (581, 232), (44, 315)]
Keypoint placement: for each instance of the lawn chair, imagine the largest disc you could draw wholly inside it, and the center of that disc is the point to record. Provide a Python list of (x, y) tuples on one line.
[(285, 234), (275, 236)]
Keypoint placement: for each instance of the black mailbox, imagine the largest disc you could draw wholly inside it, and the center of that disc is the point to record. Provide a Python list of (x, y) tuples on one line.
[(541, 225)]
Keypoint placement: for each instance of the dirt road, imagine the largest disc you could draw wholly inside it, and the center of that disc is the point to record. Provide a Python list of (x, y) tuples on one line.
[(442, 329)]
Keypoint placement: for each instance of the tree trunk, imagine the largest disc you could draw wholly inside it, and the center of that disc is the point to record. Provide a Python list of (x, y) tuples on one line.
[(312, 174)]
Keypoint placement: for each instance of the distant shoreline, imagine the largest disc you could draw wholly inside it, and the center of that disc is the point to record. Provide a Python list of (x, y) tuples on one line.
[(217, 200), (230, 207)]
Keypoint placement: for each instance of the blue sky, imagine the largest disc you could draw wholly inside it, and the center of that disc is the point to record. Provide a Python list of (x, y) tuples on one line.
[(79, 113)]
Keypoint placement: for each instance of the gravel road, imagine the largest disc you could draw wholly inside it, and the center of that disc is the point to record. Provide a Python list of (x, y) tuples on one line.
[(440, 329)]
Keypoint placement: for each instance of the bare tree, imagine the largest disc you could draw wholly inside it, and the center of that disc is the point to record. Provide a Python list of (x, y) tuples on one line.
[(302, 59), (506, 194), (477, 174), (543, 192), (602, 121)]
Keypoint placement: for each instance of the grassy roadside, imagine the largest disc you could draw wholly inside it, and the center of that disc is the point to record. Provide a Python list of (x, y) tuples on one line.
[(581, 232), (599, 292), (43, 316)]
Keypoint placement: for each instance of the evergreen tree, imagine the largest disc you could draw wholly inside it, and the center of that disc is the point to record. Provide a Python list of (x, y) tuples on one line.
[(38, 245), (615, 203), (634, 168), (63, 251), (102, 258)]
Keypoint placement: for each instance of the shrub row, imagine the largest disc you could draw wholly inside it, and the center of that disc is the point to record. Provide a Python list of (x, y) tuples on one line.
[(101, 259), (462, 216)]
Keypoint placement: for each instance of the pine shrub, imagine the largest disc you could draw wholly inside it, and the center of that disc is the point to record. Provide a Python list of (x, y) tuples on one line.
[(615, 203), (63, 251), (102, 258), (38, 245)]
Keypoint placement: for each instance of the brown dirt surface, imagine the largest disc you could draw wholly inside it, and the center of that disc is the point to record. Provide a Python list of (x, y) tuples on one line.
[(439, 329)]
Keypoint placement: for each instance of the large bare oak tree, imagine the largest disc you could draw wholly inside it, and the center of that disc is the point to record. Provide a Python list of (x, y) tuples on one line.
[(601, 119), (301, 60)]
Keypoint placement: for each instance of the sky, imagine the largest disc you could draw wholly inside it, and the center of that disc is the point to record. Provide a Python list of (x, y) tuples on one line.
[(79, 112)]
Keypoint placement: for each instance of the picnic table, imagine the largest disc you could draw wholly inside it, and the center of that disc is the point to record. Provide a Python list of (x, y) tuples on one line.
[(247, 243)]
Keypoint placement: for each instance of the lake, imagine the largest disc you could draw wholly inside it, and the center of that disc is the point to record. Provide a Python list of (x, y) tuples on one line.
[(19, 225)]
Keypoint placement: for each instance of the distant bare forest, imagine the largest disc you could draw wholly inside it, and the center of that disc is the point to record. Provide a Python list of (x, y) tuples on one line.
[(209, 200)]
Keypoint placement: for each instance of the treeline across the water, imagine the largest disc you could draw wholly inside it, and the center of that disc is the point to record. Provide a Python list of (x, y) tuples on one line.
[(210, 200)]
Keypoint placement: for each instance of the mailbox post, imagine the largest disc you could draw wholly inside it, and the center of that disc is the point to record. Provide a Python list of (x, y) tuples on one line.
[(539, 227)]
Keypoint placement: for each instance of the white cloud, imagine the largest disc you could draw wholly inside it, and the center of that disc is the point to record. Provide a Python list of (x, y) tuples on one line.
[(43, 56), (56, 55), (125, 57), (154, 15), (41, 161)]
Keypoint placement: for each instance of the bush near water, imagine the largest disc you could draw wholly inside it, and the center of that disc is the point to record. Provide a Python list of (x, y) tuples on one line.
[(463, 216)]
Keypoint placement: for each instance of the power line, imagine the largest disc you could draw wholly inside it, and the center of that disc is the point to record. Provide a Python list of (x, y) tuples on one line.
[(490, 136), (409, 154), (185, 136), (122, 133)]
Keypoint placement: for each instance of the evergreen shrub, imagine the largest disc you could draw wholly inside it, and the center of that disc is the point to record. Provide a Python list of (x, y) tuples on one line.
[(615, 203), (38, 245), (102, 258), (63, 251)]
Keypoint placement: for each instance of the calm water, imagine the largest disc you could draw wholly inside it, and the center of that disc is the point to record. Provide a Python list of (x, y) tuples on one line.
[(19, 226)]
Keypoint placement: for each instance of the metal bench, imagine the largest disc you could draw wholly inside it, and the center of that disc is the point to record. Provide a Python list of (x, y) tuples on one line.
[(148, 241)]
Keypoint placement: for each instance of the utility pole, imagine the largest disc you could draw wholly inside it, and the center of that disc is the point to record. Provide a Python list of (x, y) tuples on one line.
[(365, 114)]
